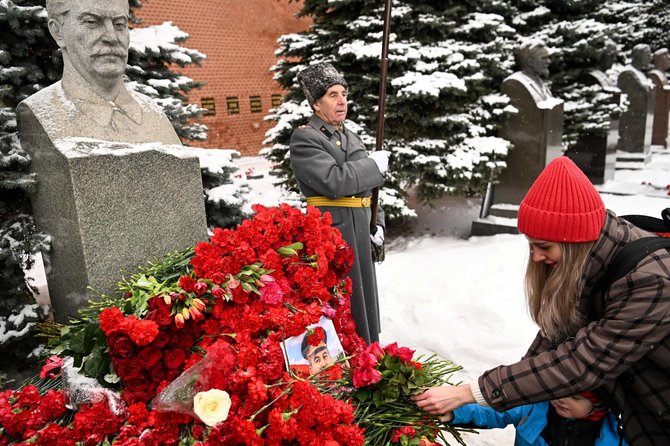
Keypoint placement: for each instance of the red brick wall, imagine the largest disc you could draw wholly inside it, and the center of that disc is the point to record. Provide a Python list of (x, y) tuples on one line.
[(239, 39)]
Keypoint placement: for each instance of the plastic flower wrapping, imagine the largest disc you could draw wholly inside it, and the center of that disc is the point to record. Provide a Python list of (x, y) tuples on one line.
[(190, 352)]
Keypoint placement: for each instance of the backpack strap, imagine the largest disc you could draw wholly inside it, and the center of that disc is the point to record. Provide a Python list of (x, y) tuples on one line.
[(629, 256), (651, 224)]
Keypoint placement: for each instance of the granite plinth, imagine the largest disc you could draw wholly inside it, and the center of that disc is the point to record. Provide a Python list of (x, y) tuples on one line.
[(636, 122), (109, 207)]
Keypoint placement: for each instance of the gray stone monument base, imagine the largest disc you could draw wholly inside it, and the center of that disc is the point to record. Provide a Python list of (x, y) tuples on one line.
[(501, 219), (632, 161), (110, 207)]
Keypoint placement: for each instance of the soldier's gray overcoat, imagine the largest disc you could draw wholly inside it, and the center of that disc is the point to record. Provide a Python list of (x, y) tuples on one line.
[(324, 168)]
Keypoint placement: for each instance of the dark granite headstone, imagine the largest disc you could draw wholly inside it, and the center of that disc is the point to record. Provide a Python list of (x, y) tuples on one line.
[(636, 123), (595, 151), (659, 135), (535, 130)]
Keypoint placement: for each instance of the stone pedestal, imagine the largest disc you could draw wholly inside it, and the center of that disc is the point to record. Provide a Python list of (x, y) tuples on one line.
[(109, 207), (636, 123), (659, 134), (536, 131), (595, 151)]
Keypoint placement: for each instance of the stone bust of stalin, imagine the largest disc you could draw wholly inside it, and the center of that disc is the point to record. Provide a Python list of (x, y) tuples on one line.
[(92, 100)]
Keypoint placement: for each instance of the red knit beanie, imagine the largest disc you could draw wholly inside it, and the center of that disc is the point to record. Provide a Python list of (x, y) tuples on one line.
[(562, 205)]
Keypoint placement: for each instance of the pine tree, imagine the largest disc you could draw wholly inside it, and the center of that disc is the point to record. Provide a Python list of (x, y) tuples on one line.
[(153, 52), (27, 64), (655, 33), (446, 62)]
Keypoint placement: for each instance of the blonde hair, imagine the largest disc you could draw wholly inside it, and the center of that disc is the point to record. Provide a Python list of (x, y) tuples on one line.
[(553, 293)]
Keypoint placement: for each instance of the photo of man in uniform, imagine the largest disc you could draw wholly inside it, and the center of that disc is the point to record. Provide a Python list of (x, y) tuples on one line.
[(317, 351)]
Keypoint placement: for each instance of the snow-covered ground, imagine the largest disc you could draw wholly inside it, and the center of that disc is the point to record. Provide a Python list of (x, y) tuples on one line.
[(463, 299)]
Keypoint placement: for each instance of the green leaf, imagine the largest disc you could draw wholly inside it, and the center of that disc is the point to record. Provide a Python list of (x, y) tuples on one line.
[(363, 395), (76, 343), (128, 307), (92, 333), (143, 282), (96, 365)]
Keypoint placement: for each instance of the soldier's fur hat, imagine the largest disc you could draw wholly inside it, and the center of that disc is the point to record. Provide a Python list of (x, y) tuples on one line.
[(316, 79)]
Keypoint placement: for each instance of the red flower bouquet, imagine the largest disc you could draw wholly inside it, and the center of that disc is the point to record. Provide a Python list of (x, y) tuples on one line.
[(193, 347)]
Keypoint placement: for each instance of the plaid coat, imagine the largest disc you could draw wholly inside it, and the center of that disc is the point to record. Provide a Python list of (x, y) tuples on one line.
[(625, 347)]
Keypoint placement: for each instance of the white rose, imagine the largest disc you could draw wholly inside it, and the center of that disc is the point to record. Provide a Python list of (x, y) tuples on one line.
[(212, 406)]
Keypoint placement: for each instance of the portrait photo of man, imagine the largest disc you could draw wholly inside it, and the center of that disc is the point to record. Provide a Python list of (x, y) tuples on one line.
[(314, 352)]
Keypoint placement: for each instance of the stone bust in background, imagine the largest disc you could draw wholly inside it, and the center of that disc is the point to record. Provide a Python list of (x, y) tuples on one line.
[(640, 58), (606, 60), (92, 100), (533, 59), (635, 125), (662, 63)]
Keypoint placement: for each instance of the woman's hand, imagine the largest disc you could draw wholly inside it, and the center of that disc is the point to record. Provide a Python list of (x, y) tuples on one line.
[(440, 400)]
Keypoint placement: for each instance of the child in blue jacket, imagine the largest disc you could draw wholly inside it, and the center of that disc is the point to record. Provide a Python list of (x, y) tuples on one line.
[(578, 420)]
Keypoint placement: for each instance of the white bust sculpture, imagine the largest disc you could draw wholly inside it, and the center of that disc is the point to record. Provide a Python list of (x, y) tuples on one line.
[(533, 60), (92, 100)]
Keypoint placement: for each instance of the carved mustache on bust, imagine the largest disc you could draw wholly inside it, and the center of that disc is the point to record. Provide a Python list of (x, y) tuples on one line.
[(110, 53)]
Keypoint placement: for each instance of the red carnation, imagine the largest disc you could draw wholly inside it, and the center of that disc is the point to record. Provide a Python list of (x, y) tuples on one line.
[(406, 431), (187, 283), (316, 336), (142, 332), (110, 319)]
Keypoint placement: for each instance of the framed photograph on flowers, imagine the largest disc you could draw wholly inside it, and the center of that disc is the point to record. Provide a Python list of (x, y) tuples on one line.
[(318, 350)]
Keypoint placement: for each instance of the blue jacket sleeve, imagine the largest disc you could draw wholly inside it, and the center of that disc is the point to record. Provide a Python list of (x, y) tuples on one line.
[(488, 417)]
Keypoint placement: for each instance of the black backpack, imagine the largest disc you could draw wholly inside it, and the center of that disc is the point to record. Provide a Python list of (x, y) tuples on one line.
[(624, 262), (633, 252)]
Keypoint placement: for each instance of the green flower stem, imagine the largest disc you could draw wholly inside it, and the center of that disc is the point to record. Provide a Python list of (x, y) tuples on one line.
[(259, 411)]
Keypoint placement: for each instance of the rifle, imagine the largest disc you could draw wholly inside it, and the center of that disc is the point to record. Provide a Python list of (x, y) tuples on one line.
[(378, 252)]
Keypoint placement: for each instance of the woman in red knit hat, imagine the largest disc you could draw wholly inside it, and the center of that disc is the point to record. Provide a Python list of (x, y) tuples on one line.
[(618, 338)]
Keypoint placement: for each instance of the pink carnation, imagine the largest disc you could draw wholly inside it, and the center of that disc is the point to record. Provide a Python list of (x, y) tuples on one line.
[(271, 293)]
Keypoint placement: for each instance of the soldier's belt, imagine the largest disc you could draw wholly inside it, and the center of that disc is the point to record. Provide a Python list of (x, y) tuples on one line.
[(347, 202)]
